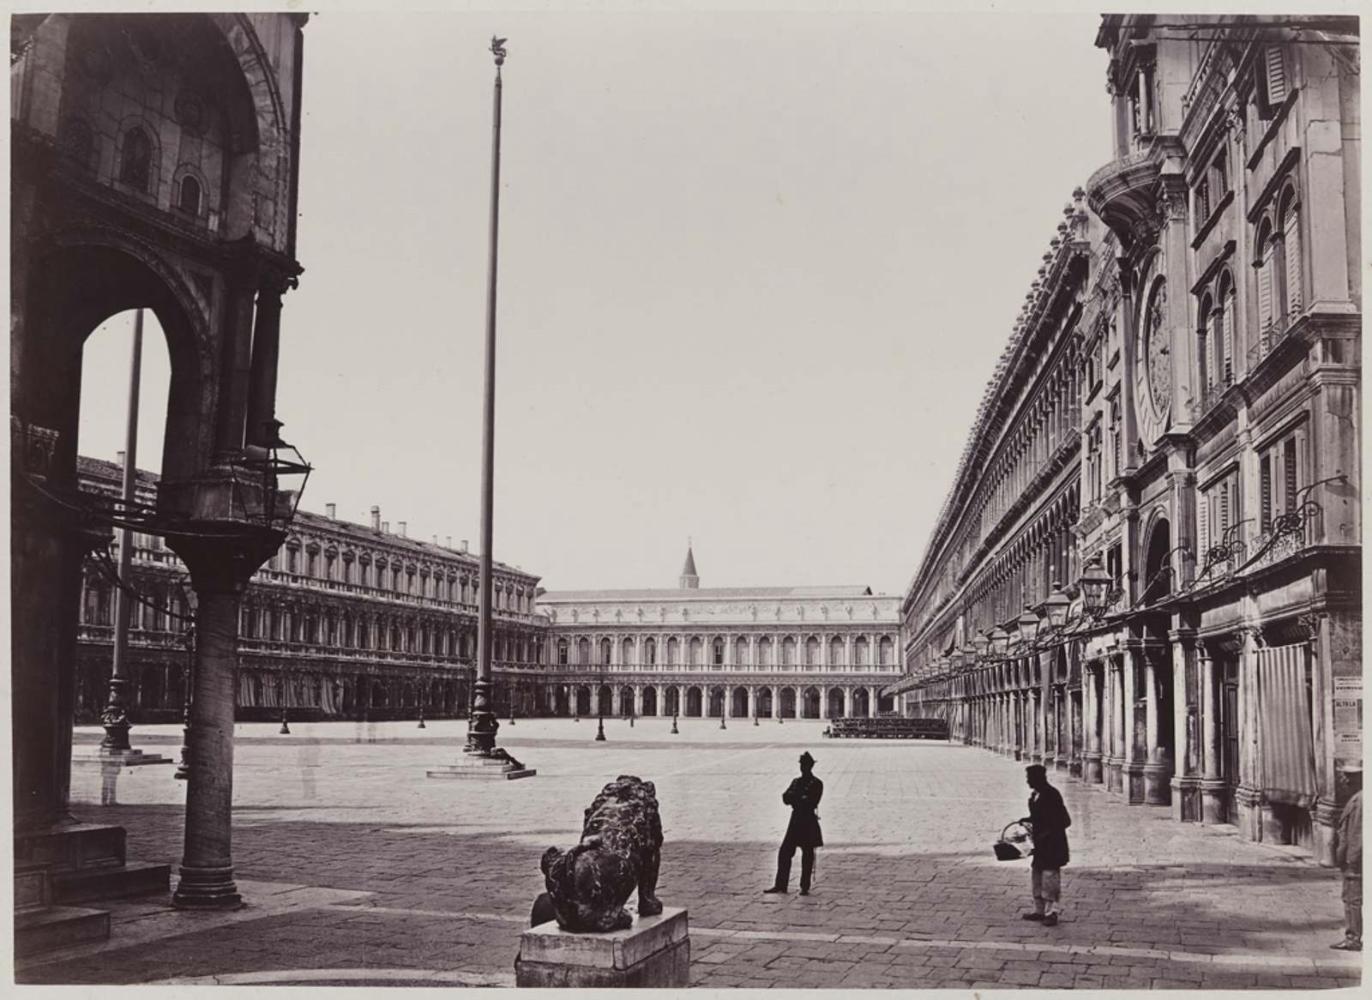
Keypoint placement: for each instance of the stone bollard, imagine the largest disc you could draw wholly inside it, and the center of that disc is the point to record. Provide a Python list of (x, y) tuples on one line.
[(655, 953)]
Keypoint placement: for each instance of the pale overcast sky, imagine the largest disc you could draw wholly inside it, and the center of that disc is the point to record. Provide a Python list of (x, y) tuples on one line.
[(755, 271)]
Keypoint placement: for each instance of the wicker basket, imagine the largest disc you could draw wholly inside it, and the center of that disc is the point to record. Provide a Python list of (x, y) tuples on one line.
[(1005, 848)]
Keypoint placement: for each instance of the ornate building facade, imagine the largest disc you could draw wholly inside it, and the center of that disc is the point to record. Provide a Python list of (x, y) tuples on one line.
[(344, 621), (726, 652), (1218, 622)]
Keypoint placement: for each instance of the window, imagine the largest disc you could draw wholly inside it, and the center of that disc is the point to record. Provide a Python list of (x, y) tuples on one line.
[(650, 652), (1217, 512), (1093, 460), (189, 200), (1272, 87), (1267, 309), (1219, 175), (1142, 103), (719, 652), (1289, 232), (1201, 201), (1280, 478), (135, 159), (1114, 564), (1223, 326), (1116, 432), (605, 648)]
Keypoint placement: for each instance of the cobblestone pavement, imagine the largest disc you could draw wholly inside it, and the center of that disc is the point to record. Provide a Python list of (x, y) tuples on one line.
[(359, 870)]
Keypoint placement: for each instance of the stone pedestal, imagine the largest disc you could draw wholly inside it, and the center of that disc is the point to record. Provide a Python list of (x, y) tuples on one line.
[(481, 768), (1131, 774), (1114, 781), (1186, 802), (1092, 772), (1214, 794), (655, 953), (1156, 790)]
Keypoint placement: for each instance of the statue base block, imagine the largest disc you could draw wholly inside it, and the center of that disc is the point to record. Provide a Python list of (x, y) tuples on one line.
[(654, 953)]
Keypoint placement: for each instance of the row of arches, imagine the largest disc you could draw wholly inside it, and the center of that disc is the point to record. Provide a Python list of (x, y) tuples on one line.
[(707, 701), (720, 651)]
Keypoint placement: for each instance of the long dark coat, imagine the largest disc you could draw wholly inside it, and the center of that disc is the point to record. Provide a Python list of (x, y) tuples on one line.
[(1049, 820), (803, 797)]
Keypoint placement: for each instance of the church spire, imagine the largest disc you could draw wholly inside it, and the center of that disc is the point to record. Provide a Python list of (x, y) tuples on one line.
[(689, 579)]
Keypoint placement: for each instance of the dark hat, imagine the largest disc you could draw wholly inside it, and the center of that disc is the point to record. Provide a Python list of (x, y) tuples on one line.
[(1039, 769), (805, 758)]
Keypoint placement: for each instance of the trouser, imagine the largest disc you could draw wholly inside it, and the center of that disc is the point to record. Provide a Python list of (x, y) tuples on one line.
[(1352, 906), (1047, 885), (807, 863)]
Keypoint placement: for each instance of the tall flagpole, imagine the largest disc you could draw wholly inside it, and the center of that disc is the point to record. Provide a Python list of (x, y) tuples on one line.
[(115, 716), (482, 728)]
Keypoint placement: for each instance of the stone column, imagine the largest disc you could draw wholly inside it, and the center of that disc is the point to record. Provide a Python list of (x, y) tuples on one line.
[(1156, 767), (1212, 788), (1248, 796), (1132, 767), (220, 570), (1090, 723), (1115, 761)]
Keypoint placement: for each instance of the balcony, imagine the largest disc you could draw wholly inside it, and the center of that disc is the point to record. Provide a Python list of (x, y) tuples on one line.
[(1123, 192)]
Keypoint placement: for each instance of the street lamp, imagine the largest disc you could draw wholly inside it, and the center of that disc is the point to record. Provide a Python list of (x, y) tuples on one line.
[(1095, 587), (1055, 605), (1000, 641), (1028, 624)]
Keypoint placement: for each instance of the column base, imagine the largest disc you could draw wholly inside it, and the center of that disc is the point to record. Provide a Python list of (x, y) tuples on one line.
[(1091, 768), (1186, 799), (206, 889), (1131, 774), (1113, 769), (1214, 795), (1062, 764), (1324, 818), (1156, 790), (1248, 812)]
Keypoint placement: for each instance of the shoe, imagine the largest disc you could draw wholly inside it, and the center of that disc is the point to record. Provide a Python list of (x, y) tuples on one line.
[(1347, 945), (776, 888), (1050, 920), (1031, 916), (805, 892)]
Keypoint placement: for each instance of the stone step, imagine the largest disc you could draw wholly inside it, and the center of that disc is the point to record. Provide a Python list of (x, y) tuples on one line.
[(135, 879), (32, 887), (481, 772), (71, 847), (52, 927)]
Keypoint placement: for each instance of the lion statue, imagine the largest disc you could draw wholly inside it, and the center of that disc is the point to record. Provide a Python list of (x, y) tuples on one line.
[(620, 851)]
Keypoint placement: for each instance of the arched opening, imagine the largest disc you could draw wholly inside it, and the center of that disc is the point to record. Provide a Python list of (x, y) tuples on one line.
[(626, 701), (188, 197), (650, 701), (605, 700), (716, 702), (583, 700), (693, 703), (810, 698), (764, 703), (671, 702), (135, 159), (788, 703), (861, 704), (835, 706), (738, 703), (1158, 569)]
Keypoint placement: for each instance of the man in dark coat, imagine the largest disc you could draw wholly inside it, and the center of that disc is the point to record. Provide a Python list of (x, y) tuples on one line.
[(1048, 822), (803, 797)]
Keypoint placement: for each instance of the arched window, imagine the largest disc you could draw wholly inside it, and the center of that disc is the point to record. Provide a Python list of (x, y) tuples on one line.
[(189, 200), (135, 159), (1223, 326), (1206, 343), (719, 652), (1288, 223), (1267, 292), (650, 652)]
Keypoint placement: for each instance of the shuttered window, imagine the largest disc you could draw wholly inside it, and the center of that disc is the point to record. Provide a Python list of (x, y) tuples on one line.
[(1265, 486), (1275, 76), (1265, 290), (1291, 238)]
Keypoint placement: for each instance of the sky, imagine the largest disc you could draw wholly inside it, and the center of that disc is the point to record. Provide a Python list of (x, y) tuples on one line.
[(755, 271)]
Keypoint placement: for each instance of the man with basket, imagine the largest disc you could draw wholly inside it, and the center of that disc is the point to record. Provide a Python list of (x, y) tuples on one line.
[(1048, 822)]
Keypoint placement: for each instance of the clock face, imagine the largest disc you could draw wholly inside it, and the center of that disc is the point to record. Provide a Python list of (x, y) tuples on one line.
[(1153, 372)]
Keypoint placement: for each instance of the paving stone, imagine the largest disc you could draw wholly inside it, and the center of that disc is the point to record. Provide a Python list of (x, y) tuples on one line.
[(447, 875)]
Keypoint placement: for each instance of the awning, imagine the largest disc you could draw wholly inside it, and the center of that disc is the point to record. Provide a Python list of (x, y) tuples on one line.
[(1288, 747)]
